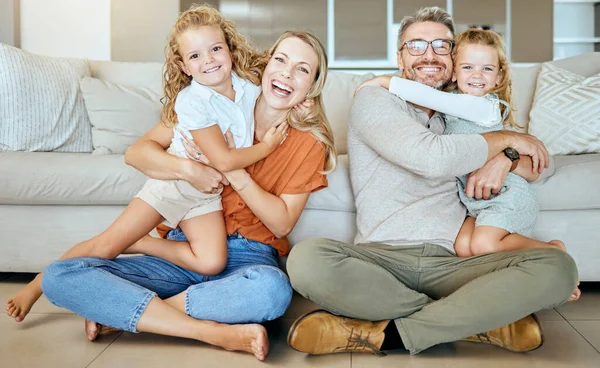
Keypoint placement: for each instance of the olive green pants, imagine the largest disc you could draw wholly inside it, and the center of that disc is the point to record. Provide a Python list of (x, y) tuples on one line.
[(432, 295)]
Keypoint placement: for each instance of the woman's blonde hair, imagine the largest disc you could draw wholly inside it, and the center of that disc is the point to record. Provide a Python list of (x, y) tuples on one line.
[(246, 62), (504, 89), (313, 120)]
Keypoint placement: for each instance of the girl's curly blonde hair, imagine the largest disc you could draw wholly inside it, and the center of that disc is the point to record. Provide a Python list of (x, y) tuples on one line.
[(246, 62), (492, 39), (313, 120)]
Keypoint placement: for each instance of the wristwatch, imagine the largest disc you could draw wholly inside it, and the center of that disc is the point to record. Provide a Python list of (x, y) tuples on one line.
[(513, 156)]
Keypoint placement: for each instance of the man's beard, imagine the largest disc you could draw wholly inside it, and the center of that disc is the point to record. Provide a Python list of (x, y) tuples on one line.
[(437, 84)]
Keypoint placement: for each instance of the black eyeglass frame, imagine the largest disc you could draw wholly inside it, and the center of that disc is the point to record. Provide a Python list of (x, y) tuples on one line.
[(429, 43)]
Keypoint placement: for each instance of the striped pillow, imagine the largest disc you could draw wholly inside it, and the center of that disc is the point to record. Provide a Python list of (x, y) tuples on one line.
[(41, 106), (566, 111)]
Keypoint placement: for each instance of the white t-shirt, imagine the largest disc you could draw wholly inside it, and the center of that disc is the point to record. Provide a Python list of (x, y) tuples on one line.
[(198, 107)]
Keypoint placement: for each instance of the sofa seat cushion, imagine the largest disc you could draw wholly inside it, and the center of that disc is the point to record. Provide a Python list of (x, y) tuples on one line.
[(36, 178), (574, 184)]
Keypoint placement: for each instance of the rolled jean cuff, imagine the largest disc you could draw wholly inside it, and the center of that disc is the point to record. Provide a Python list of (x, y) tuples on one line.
[(139, 311)]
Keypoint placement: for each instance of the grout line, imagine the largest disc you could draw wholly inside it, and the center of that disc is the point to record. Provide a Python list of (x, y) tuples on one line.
[(103, 350), (580, 334), (576, 330)]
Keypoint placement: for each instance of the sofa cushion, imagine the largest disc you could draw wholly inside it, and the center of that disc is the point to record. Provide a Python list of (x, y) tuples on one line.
[(32, 178), (575, 175), (573, 185), (523, 85), (566, 111), (338, 194), (119, 114), (41, 107), (337, 98)]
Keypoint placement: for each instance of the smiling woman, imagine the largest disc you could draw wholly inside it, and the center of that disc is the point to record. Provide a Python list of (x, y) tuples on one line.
[(164, 292)]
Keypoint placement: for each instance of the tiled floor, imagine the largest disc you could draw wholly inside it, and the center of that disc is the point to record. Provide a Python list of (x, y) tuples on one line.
[(53, 337)]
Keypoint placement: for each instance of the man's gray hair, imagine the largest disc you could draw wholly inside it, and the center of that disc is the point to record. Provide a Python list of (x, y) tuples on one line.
[(430, 14)]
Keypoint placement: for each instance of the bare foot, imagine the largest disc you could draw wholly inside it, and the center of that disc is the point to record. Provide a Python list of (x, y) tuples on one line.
[(558, 245), (576, 294), (249, 338), (93, 329), (19, 305)]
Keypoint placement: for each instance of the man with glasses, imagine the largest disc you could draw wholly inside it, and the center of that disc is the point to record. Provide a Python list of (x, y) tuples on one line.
[(401, 284)]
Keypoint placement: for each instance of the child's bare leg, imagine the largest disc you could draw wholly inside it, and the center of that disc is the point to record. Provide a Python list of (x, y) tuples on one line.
[(207, 237), (462, 245), (138, 219), (489, 239), (205, 252)]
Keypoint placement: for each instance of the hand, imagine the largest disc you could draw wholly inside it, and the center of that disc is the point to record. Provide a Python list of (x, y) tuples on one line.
[(305, 105), (488, 179), (229, 139), (239, 178), (381, 81), (193, 151), (275, 136), (204, 178), (529, 145)]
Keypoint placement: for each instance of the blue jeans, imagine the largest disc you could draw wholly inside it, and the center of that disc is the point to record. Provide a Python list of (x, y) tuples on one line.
[(251, 288)]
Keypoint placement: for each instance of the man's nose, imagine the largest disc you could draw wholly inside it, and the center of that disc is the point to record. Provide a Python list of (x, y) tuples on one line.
[(429, 54)]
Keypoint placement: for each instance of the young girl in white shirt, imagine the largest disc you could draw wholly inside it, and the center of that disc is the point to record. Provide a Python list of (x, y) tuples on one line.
[(212, 79)]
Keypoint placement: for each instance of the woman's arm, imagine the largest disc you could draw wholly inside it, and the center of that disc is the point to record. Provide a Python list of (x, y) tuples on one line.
[(148, 155), (278, 214)]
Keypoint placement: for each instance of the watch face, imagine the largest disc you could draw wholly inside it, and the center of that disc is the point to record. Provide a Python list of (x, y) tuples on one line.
[(511, 153)]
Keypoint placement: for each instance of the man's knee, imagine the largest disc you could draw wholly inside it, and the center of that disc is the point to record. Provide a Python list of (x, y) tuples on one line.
[(562, 275), (306, 264)]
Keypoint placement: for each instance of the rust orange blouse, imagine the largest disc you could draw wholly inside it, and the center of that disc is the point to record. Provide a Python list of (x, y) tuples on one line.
[(293, 168)]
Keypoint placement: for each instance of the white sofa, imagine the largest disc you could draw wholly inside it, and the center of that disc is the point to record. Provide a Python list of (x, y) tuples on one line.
[(50, 201)]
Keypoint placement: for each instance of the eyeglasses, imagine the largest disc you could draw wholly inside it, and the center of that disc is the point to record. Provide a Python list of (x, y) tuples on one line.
[(419, 47)]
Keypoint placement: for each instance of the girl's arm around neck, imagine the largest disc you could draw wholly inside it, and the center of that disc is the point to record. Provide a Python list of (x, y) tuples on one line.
[(473, 108), (225, 158)]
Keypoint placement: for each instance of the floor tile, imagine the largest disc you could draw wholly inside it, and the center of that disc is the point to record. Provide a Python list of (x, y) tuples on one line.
[(47, 340), (590, 331), (10, 286), (549, 315), (299, 306), (146, 350), (585, 309), (563, 347)]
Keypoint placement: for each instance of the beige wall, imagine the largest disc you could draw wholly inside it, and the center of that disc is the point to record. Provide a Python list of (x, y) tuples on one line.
[(140, 28), (532, 31), (66, 28), (10, 22), (408, 7)]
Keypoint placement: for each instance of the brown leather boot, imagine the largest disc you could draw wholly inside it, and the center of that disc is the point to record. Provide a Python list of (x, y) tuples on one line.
[(320, 332), (520, 336)]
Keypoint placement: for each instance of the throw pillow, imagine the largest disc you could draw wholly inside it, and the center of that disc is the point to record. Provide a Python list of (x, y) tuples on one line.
[(41, 107), (566, 111), (119, 114)]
